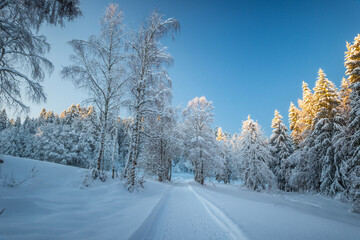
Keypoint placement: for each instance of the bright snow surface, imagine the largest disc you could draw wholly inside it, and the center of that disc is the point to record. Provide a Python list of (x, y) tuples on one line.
[(53, 205)]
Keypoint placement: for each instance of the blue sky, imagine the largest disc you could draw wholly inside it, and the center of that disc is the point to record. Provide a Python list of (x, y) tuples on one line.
[(248, 57)]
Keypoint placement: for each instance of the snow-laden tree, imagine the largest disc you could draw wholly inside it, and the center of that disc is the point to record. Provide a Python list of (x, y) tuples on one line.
[(306, 105), (317, 168), (345, 92), (4, 120), (163, 137), (123, 140), (281, 144), (352, 164), (67, 142), (98, 68), (328, 121), (301, 119), (226, 154), (254, 157), (200, 141), (294, 119), (11, 140), (147, 59), (22, 61), (163, 143)]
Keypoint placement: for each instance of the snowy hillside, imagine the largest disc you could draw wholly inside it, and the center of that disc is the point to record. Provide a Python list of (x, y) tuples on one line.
[(53, 205)]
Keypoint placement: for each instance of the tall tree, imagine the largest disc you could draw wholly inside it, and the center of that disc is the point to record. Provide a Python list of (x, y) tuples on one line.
[(282, 148), (254, 158), (294, 119), (307, 115), (328, 121), (146, 61), (163, 136), (316, 167), (200, 140), (97, 67), (352, 64)]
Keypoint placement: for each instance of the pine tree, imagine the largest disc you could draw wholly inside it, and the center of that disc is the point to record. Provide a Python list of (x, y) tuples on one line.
[(281, 144), (328, 122), (345, 92), (352, 169), (4, 121), (307, 115), (254, 158), (294, 119)]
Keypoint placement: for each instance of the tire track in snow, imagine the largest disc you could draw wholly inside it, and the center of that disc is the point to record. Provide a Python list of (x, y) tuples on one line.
[(144, 229), (220, 218)]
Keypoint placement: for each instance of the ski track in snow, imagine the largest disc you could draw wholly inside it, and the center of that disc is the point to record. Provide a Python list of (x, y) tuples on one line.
[(183, 214), (145, 228), (220, 218)]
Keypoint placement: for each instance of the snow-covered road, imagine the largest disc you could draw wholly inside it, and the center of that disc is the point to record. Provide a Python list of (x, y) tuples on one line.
[(183, 214), (52, 205), (190, 211)]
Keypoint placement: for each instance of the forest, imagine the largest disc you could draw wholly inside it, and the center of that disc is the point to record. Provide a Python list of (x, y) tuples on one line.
[(125, 71)]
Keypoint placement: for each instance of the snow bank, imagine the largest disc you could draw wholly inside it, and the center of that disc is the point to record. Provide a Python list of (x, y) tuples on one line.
[(52, 205)]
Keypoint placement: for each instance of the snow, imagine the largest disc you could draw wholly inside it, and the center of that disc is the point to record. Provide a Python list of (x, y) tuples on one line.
[(54, 205)]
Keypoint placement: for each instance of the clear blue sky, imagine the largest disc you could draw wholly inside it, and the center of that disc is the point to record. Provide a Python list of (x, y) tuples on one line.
[(248, 57)]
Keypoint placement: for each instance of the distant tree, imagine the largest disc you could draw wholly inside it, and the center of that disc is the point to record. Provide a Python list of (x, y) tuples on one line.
[(254, 158), (200, 140), (226, 153), (4, 121), (294, 119), (282, 148)]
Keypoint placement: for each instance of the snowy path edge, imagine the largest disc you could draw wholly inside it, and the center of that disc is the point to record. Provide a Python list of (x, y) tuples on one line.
[(220, 218), (144, 229)]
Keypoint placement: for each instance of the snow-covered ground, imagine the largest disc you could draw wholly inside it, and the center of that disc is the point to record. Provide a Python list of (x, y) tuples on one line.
[(54, 205)]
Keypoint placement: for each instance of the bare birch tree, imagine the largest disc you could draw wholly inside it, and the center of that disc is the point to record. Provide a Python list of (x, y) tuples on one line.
[(98, 67), (146, 61)]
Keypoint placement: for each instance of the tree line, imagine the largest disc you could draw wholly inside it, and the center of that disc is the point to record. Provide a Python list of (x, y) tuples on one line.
[(124, 68)]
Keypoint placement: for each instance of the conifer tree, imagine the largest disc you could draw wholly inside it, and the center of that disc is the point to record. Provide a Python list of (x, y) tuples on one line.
[(328, 122), (352, 169), (254, 158), (4, 121), (281, 144), (294, 118), (345, 92), (307, 115)]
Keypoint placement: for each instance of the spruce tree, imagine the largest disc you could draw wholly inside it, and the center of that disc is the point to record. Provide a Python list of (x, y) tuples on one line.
[(294, 119), (328, 122), (254, 158), (281, 144), (307, 115), (4, 121), (352, 64)]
